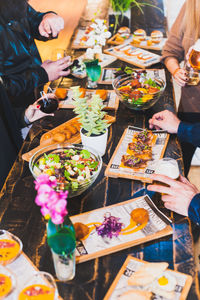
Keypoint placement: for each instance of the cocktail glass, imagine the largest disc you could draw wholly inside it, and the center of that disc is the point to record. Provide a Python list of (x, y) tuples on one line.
[(10, 247), (41, 285), (93, 70)]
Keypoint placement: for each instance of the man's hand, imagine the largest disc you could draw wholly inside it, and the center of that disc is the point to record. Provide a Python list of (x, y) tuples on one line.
[(165, 120), (33, 111), (178, 195), (55, 69), (51, 25)]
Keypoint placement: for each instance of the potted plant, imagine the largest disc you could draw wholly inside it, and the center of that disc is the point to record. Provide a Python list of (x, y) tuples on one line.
[(94, 131)]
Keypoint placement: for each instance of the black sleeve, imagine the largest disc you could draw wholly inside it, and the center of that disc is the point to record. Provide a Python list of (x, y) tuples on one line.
[(189, 133)]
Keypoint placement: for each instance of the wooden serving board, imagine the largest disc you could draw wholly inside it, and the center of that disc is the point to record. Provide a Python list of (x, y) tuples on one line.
[(143, 44), (133, 58), (111, 103), (153, 46), (131, 264), (114, 170), (47, 138), (76, 43), (108, 74), (132, 234)]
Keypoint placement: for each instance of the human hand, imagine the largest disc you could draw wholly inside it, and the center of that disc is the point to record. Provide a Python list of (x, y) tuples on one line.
[(51, 25), (180, 76), (33, 111), (177, 196), (165, 120), (55, 69)]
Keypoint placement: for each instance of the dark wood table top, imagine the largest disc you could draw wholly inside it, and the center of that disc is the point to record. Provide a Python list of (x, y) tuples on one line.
[(20, 215)]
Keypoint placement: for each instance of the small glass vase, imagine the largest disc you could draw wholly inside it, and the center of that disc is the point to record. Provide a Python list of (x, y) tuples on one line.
[(62, 241)]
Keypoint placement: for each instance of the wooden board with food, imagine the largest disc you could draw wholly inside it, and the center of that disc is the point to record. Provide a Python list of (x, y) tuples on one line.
[(113, 228), (137, 153), (80, 39), (67, 132), (109, 97), (138, 279), (109, 74), (133, 55), (155, 41)]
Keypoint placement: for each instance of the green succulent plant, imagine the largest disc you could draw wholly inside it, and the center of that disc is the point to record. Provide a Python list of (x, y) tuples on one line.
[(90, 112)]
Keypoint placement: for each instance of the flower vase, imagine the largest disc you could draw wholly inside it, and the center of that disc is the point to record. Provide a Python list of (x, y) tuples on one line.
[(62, 241), (93, 70)]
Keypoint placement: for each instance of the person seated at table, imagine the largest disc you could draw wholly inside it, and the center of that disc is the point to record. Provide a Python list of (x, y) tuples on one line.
[(21, 69), (180, 196), (11, 120), (183, 34)]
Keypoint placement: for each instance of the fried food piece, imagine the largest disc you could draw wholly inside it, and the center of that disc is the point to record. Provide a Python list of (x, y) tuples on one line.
[(68, 134), (81, 230), (140, 215), (59, 137), (61, 93), (77, 126), (145, 136), (102, 93), (140, 150), (83, 92), (119, 38), (136, 294), (72, 129), (133, 162)]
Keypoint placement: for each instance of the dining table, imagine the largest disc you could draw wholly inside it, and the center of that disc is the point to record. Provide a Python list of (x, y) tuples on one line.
[(20, 215)]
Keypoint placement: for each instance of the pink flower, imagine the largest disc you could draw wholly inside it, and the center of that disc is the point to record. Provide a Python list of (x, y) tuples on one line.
[(57, 218), (53, 203)]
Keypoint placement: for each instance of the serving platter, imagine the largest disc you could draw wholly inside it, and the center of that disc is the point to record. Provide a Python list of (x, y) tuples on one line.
[(111, 102), (147, 44), (48, 138), (120, 284), (115, 169), (105, 60), (93, 245), (108, 74), (77, 43), (133, 55)]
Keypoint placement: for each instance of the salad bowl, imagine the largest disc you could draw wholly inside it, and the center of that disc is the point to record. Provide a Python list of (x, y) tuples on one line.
[(137, 91), (75, 167)]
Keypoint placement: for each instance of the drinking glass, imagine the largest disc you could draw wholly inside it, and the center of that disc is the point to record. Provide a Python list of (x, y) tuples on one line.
[(192, 74), (58, 53), (10, 247), (8, 283), (93, 70), (169, 167), (41, 285)]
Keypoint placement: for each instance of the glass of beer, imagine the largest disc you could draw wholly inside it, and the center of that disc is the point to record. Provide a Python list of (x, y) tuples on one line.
[(40, 286), (192, 75), (169, 167)]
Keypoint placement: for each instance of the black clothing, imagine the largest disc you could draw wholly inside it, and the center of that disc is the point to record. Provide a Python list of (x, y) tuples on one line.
[(10, 134), (20, 61)]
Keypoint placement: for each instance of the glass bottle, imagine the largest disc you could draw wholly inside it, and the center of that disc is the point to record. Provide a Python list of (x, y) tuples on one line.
[(62, 241)]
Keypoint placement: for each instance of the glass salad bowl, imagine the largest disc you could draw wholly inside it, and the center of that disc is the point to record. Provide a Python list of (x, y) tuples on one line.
[(75, 167), (138, 92)]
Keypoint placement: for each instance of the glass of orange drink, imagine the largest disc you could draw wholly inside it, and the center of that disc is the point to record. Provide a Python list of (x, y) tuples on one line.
[(41, 286), (10, 247), (7, 283)]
